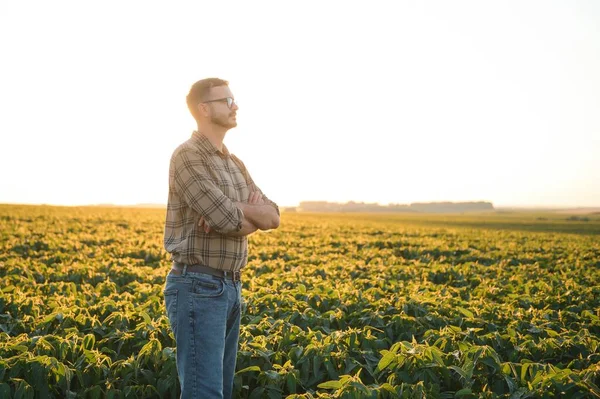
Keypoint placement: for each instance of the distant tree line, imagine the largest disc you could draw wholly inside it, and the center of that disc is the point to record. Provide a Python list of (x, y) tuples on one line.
[(422, 207)]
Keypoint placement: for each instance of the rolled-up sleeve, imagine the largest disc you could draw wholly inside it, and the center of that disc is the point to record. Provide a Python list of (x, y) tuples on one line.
[(193, 183)]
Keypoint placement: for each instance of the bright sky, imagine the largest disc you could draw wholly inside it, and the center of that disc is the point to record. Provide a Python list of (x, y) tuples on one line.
[(380, 101)]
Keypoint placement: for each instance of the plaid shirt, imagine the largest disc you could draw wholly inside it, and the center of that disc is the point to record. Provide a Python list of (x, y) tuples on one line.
[(204, 181)]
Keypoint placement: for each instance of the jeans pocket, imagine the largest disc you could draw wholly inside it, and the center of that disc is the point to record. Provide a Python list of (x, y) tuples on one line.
[(208, 288), (171, 306)]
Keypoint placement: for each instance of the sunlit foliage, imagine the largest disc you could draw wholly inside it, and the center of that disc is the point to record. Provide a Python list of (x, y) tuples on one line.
[(336, 306)]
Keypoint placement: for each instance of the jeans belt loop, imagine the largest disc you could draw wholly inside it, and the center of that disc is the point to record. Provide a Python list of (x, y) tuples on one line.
[(184, 270)]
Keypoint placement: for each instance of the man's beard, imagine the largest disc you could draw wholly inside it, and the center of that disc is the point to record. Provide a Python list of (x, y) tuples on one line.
[(223, 121)]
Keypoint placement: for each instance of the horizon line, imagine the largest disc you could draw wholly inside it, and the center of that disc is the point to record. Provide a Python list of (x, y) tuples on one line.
[(164, 205)]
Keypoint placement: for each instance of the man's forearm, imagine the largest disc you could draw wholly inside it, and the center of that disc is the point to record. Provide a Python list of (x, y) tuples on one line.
[(247, 228), (264, 216)]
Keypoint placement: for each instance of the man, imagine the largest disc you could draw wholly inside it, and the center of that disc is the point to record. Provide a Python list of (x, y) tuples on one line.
[(213, 206)]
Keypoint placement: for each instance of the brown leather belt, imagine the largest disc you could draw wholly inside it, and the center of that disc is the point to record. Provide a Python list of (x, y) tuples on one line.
[(178, 270)]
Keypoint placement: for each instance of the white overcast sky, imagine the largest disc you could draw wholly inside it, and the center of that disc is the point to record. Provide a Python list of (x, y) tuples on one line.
[(379, 101)]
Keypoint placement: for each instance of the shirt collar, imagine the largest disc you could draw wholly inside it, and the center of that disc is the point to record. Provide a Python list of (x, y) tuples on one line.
[(206, 145)]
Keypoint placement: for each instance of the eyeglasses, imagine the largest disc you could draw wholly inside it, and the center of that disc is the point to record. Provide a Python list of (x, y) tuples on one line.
[(230, 101)]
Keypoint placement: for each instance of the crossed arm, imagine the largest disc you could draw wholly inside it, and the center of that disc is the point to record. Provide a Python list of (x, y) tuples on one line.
[(191, 179), (257, 215)]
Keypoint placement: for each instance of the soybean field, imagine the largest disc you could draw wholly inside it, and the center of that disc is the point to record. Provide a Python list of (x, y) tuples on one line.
[(496, 305)]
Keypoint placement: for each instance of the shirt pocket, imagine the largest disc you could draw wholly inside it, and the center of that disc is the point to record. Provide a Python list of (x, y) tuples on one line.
[(230, 180), (225, 183), (239, 184)]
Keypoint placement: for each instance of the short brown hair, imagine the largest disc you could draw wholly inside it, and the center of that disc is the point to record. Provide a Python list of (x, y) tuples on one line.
[(198, 93)]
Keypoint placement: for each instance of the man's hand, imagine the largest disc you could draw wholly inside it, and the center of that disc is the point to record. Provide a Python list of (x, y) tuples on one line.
[(203, 224), (260, 213), (256, 198)]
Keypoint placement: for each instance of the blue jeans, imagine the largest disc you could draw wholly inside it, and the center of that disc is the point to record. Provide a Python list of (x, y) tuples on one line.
[(204, 313)]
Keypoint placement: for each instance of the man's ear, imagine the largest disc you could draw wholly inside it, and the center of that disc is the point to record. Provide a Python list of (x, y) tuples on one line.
[(203, 109)]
